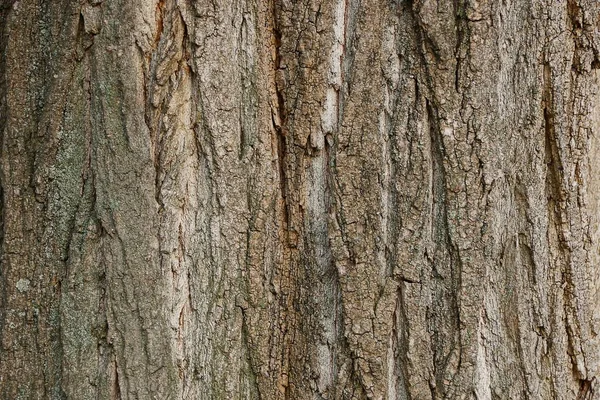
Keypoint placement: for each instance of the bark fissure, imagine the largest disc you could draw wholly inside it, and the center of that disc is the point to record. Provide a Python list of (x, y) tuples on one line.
[(279, 119), (326, 199)]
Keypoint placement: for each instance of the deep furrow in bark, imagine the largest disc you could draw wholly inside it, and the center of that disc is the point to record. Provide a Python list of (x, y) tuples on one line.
[(332, 199)]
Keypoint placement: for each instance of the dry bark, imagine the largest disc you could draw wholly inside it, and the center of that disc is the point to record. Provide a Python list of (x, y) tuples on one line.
[(275, 199)]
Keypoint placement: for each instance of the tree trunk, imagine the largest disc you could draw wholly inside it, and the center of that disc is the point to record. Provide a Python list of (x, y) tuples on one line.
[(274, 199)]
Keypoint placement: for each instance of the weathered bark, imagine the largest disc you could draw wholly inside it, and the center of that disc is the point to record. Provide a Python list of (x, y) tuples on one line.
[(327, 199)]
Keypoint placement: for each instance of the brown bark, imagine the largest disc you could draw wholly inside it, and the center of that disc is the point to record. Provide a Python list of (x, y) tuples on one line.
[(327, 199)]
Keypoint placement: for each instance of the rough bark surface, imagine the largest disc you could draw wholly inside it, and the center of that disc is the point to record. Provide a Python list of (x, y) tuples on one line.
[(317, 199)]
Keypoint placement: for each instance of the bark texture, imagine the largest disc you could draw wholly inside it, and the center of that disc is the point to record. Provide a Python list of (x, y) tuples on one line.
[(317, 199)]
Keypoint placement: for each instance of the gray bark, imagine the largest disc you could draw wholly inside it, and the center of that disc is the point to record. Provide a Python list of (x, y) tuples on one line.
[(327, 199)]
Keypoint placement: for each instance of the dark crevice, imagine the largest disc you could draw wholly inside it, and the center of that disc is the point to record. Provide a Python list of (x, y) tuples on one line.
[(587, 389), (462, 36), (247, 346), (439, 184), (279, 121), (83, 39), (160, 10), (249, 93), (3, 294), (101, 328), (446, 256), (116, 389), (5, 8), (575, 15), (426, 45), (445, 260), (554, 167), (400, 343), (281, 157), (350, 21), (556, 204), (527, 258), (582, 34), (157, 91)]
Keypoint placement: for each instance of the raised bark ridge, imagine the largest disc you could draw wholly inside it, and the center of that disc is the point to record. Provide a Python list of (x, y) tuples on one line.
[(333, 199)]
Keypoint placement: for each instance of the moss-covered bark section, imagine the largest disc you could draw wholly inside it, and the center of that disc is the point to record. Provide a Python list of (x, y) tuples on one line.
[(327, 199)]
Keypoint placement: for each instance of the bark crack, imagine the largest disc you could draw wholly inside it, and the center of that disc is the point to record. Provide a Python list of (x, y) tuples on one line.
[(278, 115)]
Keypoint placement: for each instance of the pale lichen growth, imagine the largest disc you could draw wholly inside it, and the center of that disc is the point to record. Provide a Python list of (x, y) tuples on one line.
[(23, 285)]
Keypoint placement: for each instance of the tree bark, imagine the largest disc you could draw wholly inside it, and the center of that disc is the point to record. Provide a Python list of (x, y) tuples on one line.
[(274, 199)]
